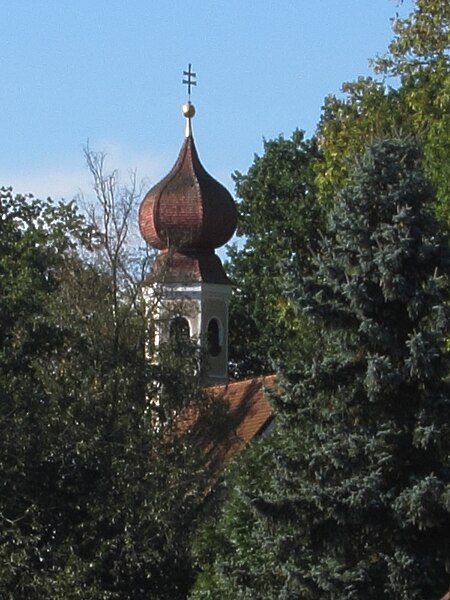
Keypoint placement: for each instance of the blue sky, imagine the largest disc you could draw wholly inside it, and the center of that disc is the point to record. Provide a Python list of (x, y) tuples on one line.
[(110, 71)]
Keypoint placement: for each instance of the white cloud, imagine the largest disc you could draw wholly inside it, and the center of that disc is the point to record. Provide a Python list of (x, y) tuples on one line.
[(47, 181), (73, 179), (149, 166)]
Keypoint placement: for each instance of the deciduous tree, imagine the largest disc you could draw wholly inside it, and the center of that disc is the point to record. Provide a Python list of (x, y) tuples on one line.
[(279, 219), (98, 488), (418, 66)]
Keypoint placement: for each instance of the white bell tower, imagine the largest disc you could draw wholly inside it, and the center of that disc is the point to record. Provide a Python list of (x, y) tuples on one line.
[(187, 216)]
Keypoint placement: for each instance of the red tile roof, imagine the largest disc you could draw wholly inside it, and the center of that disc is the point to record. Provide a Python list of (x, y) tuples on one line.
[(247, 413), (249, 409)]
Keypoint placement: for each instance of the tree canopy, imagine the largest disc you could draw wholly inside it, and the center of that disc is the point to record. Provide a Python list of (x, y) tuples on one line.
[(98, 488), (280, 220), (417, 64), (350, 497), (288, 190)]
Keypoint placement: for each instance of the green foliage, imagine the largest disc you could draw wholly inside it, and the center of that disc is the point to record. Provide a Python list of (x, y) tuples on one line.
[(34, 238), (420, 40), (420, 55), (288, 189), (368, 112), (280, 221), (234, 547), (352, 496), (98, 488), (418, 108)]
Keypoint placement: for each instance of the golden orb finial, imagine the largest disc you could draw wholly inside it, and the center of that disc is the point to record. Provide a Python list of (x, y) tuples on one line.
[(188, 110)]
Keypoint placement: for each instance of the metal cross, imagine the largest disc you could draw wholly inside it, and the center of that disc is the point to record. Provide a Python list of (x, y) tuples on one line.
[(190, 79)]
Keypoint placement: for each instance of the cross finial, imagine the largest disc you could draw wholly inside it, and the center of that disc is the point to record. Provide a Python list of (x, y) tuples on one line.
[(190, 80)]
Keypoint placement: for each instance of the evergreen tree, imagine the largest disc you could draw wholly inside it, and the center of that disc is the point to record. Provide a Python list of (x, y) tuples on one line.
[(353, 497)]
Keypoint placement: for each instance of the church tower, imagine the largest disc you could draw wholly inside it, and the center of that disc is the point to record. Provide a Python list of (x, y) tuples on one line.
[(186, 217)]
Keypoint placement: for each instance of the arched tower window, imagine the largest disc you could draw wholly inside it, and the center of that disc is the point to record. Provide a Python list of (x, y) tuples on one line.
[(179, 330), (213, 336)]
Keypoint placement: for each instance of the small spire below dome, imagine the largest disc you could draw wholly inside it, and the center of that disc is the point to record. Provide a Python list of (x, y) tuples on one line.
[(188, 108)]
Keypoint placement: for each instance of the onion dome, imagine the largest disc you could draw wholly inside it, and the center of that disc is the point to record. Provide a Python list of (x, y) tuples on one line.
[(188, 209), (187, 216)]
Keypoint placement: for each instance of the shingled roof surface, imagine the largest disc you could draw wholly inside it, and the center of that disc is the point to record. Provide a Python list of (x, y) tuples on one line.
[(249, 408), (250, 413), (188, 209)]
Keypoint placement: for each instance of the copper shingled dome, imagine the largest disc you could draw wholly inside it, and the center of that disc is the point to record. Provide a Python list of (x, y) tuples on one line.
[(188, 209)]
